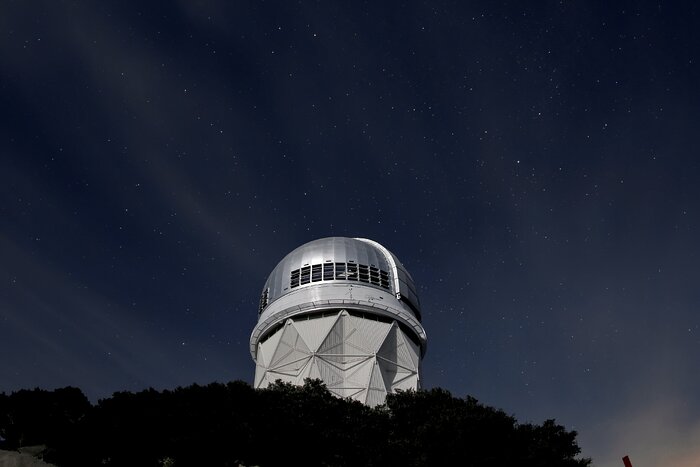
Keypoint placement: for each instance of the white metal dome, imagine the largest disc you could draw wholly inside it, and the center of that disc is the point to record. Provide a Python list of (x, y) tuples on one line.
[(331, 250), (344, 310)]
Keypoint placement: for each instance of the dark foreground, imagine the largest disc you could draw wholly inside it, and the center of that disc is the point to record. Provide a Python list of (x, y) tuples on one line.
[(233, 424)]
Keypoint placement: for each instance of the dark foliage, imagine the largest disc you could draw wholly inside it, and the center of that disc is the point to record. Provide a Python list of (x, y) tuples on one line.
[(30, 417), (434, 428), (232, 424)]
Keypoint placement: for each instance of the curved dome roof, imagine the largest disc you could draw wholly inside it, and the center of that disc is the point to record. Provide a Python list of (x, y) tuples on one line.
[(341, 259)]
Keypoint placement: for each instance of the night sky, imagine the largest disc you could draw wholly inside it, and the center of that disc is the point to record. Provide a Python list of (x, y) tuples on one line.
[(534, 165)]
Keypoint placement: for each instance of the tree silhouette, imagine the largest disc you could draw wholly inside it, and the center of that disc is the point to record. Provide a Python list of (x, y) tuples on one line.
[(37, 416), (233, 424)]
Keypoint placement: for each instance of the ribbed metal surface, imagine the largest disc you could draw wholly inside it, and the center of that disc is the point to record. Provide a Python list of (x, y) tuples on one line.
[(291, 351), (360, 374), (331, 249), (313, 330), (313, 370), (368, 334), (415, 353), (297, 269), (269, 347), (376, 391), (330, 374), (344, 310), (357, 357)]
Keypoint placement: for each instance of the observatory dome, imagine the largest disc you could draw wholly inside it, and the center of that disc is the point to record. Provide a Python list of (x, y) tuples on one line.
[(337, 306), (366, 262)]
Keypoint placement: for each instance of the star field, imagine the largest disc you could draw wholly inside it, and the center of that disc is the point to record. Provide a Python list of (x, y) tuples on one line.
[(533, 164)]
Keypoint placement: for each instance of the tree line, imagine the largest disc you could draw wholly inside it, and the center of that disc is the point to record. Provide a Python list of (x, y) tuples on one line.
[(233, 424)]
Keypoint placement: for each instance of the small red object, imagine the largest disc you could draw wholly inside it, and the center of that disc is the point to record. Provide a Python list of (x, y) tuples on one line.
[(627, 462)]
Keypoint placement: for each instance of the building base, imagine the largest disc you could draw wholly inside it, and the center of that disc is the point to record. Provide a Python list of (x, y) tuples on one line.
[(355, 354)]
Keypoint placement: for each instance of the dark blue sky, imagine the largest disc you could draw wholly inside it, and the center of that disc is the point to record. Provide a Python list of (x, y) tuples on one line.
[(533, 164)]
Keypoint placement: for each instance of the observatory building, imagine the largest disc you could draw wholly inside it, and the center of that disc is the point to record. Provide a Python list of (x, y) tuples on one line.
[(343, 310)]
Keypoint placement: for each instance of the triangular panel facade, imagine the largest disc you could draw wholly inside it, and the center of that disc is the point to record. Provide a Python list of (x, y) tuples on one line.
[(355, 356)]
